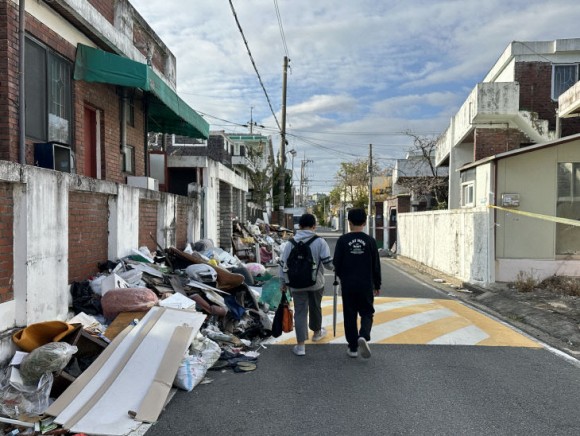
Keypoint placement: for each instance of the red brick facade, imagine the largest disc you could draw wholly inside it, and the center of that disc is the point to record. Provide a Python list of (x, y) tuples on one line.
[(488, 142), (535, 79), (104, 98), (6, 242), (87, 235), (106, 8), (8, 81), (147, 224)]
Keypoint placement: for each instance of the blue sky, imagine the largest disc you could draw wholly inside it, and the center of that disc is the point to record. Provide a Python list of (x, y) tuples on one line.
[(361, 72)]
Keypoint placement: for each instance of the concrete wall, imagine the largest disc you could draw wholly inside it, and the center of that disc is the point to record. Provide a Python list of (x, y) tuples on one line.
[(455, 242), (42, 248)]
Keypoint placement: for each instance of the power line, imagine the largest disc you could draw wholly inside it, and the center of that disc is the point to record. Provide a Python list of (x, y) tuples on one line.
[(254, 64), (281, 28)]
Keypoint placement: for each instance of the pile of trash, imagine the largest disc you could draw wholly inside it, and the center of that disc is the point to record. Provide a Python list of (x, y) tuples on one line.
[(194, 310)]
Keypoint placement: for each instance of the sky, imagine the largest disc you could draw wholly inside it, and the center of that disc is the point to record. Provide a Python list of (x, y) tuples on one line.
[(360, 72)]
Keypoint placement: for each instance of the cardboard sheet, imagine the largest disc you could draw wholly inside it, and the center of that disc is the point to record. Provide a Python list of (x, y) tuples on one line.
[(102, 403)]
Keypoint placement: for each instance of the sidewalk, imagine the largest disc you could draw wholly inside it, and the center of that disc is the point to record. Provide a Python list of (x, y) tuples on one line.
[(551, 318)]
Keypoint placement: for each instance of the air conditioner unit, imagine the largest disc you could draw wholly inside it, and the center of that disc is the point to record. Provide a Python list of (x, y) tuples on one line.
[(53, 155), (143, 182)]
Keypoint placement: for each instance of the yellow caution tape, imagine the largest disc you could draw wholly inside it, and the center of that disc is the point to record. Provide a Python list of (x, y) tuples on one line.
[(555, 219)]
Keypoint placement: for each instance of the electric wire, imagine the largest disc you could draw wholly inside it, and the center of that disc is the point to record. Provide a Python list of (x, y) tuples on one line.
[(254, 64), (281, 28)]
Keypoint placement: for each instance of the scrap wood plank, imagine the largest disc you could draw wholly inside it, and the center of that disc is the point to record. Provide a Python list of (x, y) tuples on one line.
[(121, 321)]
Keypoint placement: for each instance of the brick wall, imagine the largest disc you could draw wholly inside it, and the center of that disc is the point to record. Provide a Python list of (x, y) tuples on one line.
[(183, 203), (535, 79), (492, 141), (9, 81), (99, 96), (106, 8), (6, 242), (135, 135), (87, 237), (104, 98), (147, 224), (225, 216)]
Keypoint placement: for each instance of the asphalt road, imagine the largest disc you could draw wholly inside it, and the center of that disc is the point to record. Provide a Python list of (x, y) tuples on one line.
[(403, 389)]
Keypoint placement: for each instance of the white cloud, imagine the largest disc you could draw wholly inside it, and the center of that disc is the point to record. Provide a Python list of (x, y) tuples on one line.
[(360, 71)]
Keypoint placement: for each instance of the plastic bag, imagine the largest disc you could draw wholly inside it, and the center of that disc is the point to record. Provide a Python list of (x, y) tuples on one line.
[(271, 294), (256, 269), (207, 349), (127, 300), (84, 299), (190, 373), (51, 357), (16, 399)]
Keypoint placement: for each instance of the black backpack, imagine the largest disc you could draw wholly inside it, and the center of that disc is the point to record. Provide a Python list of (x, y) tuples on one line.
[(301, 267)]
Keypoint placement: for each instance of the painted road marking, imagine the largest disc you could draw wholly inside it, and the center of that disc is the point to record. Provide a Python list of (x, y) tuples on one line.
[(422, 321)]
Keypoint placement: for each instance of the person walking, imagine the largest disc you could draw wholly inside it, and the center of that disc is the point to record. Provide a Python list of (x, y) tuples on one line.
[(302, 272), (357, 265)]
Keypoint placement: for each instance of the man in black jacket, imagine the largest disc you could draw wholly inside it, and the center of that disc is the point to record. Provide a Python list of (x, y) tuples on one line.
[(357, 265)]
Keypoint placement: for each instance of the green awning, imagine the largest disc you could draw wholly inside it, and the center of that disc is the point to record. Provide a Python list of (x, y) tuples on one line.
[(166, 111)]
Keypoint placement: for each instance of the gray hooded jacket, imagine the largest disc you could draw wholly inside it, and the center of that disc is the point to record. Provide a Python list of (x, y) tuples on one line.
[(320, 253)]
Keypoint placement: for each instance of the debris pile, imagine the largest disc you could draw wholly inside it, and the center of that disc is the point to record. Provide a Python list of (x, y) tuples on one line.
[(183, 312)]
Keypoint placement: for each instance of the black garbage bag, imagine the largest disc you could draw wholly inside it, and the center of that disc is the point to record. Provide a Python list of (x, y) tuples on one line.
[(84, 299)]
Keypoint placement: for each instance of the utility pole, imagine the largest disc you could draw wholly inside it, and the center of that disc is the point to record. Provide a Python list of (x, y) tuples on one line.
[(283, 145), (303, 180), (371, 227), (251, 120)]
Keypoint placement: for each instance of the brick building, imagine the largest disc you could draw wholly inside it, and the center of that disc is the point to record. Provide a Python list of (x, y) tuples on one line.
[(94, 80), (514, 106)]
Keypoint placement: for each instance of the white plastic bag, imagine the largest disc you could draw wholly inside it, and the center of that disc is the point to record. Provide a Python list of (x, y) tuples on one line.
[(207, 349), (190, 373)]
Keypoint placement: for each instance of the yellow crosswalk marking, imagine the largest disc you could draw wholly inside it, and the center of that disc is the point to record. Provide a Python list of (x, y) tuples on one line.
[(423, 321)]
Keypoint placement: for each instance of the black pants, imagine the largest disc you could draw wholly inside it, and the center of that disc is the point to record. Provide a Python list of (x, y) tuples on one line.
[(357, 303)]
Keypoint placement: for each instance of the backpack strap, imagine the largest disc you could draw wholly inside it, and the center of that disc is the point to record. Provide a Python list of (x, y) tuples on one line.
[(311, 240)]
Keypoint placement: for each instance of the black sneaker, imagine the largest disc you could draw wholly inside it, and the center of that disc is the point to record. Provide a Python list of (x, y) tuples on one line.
[(363, 346)]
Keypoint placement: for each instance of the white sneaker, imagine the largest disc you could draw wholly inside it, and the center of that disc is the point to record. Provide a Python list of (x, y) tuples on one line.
[(351, 353), (363, 346), (299, 350), (319, 335)]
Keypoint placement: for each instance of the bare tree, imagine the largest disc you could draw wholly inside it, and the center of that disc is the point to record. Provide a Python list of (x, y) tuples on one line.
[(419, 175)]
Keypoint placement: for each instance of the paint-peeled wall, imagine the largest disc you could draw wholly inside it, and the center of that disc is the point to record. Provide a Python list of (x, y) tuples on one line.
[(455, 242), (46, 258)]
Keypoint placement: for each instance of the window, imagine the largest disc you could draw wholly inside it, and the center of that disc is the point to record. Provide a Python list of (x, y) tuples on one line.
[(48, 85), (568, 206), (467, 194), (185, 141), (563, 77), (129, 159), (130, 110)]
